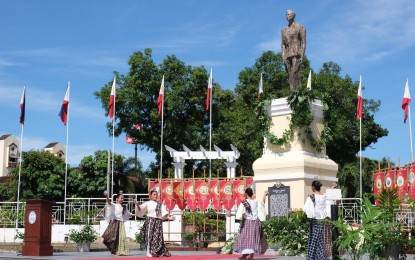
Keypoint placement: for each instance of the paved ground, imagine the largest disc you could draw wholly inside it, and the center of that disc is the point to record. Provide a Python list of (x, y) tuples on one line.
[(106, 254)]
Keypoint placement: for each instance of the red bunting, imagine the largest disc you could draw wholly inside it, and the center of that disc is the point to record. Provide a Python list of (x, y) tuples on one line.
[(167, 194), (390, 179), (238, 191), (411, 182), (202, 194), (249, 182), (378, 183), (178, 194), (402, 182), (225, 191), (189, 195), (154, 185), (214, 194)]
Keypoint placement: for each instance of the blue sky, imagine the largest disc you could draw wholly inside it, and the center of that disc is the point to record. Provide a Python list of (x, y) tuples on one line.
[(44, 44)]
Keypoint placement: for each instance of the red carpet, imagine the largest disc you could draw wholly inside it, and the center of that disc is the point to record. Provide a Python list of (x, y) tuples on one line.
[(178, 257)]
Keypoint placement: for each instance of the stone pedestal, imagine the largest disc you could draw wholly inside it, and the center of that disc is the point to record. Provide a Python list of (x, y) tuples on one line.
[(297, 163), (38, 228)]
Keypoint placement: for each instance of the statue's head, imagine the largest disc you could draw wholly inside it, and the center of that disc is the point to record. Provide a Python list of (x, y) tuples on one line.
[(290, 15)]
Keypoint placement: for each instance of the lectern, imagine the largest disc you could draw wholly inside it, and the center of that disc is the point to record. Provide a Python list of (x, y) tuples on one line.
[(38, 228)]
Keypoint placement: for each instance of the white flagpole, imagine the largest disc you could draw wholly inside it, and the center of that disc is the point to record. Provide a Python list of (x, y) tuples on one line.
[(161, 134), (360, 146), (410, 132), (210, 120), (113, 142), (20, 171), (23, 101), (66, 153)]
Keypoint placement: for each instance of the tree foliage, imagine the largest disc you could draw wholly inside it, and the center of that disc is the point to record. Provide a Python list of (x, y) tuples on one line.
[(234, 117)]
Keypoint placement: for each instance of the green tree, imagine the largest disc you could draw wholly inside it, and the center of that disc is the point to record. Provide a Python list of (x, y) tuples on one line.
[(90, 179), (42, 177)]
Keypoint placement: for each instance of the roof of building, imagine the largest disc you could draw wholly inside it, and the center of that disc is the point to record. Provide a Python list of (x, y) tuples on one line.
[(51, 145), (4, 137)]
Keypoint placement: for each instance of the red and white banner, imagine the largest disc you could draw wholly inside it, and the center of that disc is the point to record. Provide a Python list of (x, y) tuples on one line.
[(189, 195), (359, 108), (378, 182), (405, 101), (178, 194), (154, 185), (225, 191), (249, 182), (402, 182), (390, 179), (411, 183), (167, 194), (202, 194), (238, 190), (215, 195)]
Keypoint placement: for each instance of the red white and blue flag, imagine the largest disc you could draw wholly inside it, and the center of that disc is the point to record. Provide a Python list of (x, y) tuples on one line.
[(111, 105), (209, 90), (160, 99), (405, 101), (359, 109), (65, 106), (23, 106)]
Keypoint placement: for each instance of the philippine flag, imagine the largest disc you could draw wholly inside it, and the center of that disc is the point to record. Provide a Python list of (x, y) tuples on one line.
[(111, 105), (359, 109), (160, 99), (209, 91), (23, 106), (65, 106), (405, 101)]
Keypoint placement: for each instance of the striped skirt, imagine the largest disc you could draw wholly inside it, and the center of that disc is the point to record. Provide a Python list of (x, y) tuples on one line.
[(251, 237), (115, 239), (152, 234)]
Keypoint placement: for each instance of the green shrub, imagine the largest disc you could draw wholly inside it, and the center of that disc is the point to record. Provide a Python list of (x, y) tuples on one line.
[(86, 234)]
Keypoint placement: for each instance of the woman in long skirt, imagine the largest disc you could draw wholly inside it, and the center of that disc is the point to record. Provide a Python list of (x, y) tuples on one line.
[(315, 208), (250, 239), (114, 236), (152, 230)]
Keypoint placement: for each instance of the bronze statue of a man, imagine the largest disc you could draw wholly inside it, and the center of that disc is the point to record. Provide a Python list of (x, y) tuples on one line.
[(293, 43)]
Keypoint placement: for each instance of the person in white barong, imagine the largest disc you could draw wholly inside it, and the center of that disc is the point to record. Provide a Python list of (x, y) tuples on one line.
[(114, 236), (152, 230), (250, 239)]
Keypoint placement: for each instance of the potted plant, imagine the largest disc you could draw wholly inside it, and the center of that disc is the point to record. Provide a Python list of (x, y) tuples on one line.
[(139, 240), (83, 237), (189, 237), (379, 232)]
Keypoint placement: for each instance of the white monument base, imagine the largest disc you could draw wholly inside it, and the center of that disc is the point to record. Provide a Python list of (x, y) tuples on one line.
[(297, 163)]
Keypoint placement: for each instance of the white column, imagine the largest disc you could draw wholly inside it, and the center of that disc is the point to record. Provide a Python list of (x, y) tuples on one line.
[(178, 170), (231, 166)]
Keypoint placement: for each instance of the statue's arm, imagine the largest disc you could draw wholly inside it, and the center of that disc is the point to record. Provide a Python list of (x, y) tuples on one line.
[(303, 40), (283, 46)]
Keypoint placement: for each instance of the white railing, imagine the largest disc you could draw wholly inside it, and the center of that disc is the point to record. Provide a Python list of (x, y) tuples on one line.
[(78, 210)]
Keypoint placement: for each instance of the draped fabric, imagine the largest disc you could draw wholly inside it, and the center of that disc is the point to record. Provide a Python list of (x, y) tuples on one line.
[(411, 182), (390, 179), (402, 182), (189, 195), (225, 191), (115, 239), (215, 195), (167, 194), (202, 194), (152, 234), (178, 194), (238, 190), (250, 236)]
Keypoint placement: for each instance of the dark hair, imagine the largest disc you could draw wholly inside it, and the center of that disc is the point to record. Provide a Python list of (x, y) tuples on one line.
[(152, 191), (124, 208), (317, 185), (249, 192)]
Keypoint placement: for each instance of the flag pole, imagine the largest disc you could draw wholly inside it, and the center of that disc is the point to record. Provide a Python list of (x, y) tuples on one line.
[(22, 116), (113, 143), (410, 131), (66, 155), (210, 120), (20, 171), (360, 157), (161, 132)]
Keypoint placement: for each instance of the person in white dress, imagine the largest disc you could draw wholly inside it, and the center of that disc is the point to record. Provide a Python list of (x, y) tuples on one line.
[(152, 230), (114, 236), (315, 208), (250, 239)]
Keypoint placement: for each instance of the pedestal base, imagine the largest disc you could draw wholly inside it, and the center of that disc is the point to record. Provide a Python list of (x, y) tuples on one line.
[(37, 250)]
